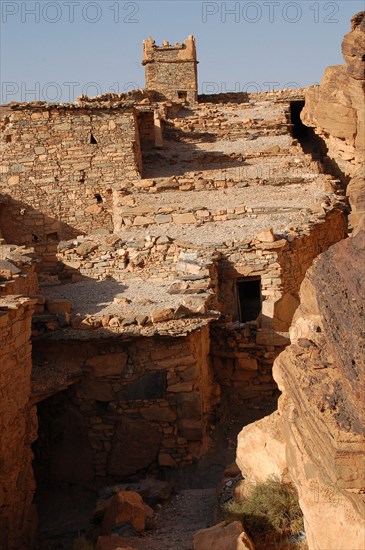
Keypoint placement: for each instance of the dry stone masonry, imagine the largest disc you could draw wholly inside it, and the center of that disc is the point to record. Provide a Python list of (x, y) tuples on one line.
[(172, 69), (157, 245)]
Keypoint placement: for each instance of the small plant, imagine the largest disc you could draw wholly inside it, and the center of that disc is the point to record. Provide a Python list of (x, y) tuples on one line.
[(270, 513), (81, 543)]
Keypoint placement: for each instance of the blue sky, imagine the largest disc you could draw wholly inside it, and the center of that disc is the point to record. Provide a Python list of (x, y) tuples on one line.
[(57, 49)]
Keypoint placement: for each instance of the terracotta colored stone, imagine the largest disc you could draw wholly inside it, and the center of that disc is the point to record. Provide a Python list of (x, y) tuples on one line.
[(142, 441), (107, 365), (229, 536), (126, 506), (85, 248), (161, 315), (261, 450), (266, 236), (59, 306)]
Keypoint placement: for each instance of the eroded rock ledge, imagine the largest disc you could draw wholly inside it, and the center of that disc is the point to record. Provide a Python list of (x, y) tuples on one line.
[(322, 379)]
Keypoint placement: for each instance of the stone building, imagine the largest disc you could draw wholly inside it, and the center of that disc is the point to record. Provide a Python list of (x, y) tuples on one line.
[(172, 69), (169, 244)]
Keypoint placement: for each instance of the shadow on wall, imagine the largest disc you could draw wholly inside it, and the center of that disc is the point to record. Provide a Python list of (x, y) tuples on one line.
[(314, 144), (180, 154), (88, 296), (22, 224)]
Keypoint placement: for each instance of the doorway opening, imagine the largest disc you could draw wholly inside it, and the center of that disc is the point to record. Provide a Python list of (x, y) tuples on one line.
[(249, 298)]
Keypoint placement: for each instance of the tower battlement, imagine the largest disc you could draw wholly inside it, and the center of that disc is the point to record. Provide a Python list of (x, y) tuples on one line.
[(172, 69)]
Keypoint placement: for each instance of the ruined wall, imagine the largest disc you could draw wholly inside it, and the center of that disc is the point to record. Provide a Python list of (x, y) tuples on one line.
[(144, 403), (18, 426), (18, 273), (57, 181), (171, 69), (243, 355)]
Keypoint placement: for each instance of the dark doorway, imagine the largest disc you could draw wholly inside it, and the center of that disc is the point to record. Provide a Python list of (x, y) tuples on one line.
[(313, 144), (249, 299), (306, 136), (182, 95), (299, 130)]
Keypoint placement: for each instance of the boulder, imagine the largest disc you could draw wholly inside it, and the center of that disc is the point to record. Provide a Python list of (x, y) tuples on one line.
[(153, 491), (261, 450), (353, 47), (225, 536), (142, 441), (266, 235), (336, 108), (86, 248), (162, 315), (126, 506)]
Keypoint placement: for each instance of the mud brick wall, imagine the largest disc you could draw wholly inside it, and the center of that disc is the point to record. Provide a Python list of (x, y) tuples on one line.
[(60, 166), (18, 425), (141, 403)]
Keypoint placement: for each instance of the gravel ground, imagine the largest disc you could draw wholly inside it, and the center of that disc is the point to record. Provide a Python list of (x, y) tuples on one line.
[(295, 195), (216, 233), (178, 520), (96, 297)]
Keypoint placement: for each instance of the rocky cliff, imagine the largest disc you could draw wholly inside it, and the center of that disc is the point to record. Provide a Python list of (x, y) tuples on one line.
[(321, 420), (322, 377), (317, 437), (336, 111)]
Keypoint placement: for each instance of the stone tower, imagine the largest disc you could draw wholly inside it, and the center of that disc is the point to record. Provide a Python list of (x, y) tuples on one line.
[(172, 70)]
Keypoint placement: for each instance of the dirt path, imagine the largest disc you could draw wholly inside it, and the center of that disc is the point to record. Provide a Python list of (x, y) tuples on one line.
[(65, 514), (178, 520)]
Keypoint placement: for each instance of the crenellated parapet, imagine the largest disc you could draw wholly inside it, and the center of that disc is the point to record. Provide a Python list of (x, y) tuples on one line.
[(171, 69)]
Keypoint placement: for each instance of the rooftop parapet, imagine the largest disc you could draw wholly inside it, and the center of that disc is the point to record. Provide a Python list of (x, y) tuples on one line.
[(178, 52)]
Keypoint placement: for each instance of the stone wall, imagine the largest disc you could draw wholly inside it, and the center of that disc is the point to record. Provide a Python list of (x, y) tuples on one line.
[(18, 273), (243, 354), (144, 403), (171, 69), (18, 426), (60, 166)]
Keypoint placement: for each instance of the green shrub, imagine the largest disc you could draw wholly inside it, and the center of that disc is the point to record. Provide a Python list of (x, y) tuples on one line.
[(269, 507)]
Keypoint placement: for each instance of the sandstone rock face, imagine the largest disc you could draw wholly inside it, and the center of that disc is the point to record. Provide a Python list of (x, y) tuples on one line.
[(336, 108), (322, 377), (229, 537), (261, 450), (356, 195)]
